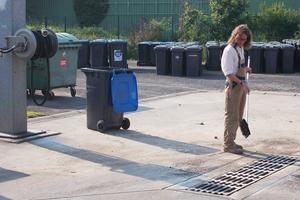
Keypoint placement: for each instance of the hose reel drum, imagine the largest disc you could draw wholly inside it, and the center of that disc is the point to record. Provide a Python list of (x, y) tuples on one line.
[(35, 43)]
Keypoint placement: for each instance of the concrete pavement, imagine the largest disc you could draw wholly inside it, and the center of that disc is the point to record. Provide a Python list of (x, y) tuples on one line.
[(174, 142)]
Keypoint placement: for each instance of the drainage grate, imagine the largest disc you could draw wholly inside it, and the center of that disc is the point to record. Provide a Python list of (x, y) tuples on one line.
[(240, 178)]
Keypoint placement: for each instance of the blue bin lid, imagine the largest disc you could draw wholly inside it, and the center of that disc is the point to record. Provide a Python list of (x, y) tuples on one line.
[(177, 48), (287, 47), (269, 46), (193, 43), (145, 42), (85, 41), (162, 47), (213, 44), (156, 43), (99, 41), (256, 45), (169, 43), (117, 41), (194, 48), (124, 91)]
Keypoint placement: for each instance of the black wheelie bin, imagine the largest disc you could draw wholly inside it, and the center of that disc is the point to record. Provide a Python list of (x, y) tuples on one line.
[(271, 59), (99, 53), (213, 49), (193, 56), (109, 93), (118, 53), (163, 59), (144, 53), (178, 61)]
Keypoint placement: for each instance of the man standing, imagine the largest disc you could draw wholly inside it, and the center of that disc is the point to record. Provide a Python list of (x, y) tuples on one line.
[(235, 69)]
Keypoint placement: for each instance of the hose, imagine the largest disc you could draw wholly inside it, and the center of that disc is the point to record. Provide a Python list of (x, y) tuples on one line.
[(44, 45)]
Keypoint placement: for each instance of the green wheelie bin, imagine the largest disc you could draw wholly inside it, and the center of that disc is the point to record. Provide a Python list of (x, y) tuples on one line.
[(63, 67)]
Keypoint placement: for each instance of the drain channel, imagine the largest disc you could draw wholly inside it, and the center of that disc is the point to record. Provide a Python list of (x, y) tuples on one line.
[(240, 178)]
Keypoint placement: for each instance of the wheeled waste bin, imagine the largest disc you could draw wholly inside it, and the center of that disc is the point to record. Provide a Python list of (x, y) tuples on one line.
[(193, 55), (84, 55), (143, 53), (152, 57), (287, 58), (99, 54), (109, 93), (271, 59), (118, 53), (63, 67), (178, 61), (256, 54), (297, 56), (163, 57), (213, 56), (223, 45)]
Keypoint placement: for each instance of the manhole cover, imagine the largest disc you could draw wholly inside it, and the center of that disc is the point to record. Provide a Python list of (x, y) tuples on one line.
[(240, 178)]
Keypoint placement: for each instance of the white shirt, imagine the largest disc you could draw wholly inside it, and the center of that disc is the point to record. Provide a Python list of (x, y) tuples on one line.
[(230, 59)]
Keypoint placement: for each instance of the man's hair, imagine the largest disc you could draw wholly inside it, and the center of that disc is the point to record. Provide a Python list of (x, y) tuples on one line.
[(236, 33)]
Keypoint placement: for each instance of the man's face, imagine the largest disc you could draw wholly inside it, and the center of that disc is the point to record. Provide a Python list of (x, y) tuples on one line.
[(241, 40)]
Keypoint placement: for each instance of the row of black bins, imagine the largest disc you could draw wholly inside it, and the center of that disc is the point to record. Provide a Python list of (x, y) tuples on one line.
[(103, 53), (178, 60), (146, 52), (272, 57)]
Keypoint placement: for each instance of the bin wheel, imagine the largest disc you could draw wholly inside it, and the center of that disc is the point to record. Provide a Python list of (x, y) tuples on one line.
[(125, 123), (31, 92), (50, 95), (101, 126), (44, 92), (73, 91)]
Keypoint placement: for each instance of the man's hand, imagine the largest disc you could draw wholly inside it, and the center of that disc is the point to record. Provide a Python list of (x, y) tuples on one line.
[(246, 88), (248, 70)]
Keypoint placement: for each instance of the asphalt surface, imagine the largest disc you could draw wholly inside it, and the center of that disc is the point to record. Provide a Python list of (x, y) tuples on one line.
[(173, 144), (151, 85)]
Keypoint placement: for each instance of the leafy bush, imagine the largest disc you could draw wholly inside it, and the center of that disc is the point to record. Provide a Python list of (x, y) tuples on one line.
[(297, 34), (227, 14), (90, 12), (151, 31), (276, 23), (194, 26)]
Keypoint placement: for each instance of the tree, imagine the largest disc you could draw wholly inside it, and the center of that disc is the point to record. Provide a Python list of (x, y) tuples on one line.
[(226, 15), (90, 12), (193, 26), (30, 9), (277, 23)]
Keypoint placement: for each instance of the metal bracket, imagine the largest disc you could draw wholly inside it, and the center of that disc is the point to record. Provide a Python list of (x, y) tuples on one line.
[(19, 42)]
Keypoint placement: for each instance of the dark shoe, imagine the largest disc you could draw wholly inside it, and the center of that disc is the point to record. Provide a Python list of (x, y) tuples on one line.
[(239, 146), (234, 150)]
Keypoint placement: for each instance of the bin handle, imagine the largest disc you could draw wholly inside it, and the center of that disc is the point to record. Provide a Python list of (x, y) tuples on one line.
[(122, 72)]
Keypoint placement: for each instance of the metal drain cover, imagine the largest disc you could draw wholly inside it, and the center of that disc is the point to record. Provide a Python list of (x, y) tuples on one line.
[(240, 178)]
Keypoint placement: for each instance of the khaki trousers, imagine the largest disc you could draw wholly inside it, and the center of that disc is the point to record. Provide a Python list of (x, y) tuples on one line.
[(235, 99)]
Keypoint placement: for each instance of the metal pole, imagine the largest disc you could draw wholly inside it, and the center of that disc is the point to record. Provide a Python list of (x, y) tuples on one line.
[(65, 23), (118, 27), (46, 21), (13, 106)]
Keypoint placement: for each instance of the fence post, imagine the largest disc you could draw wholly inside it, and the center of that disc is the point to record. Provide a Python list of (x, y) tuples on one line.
[(65, 23), (46, 20), (118, 26), (172, 27), (227, 28), (283, 30)]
